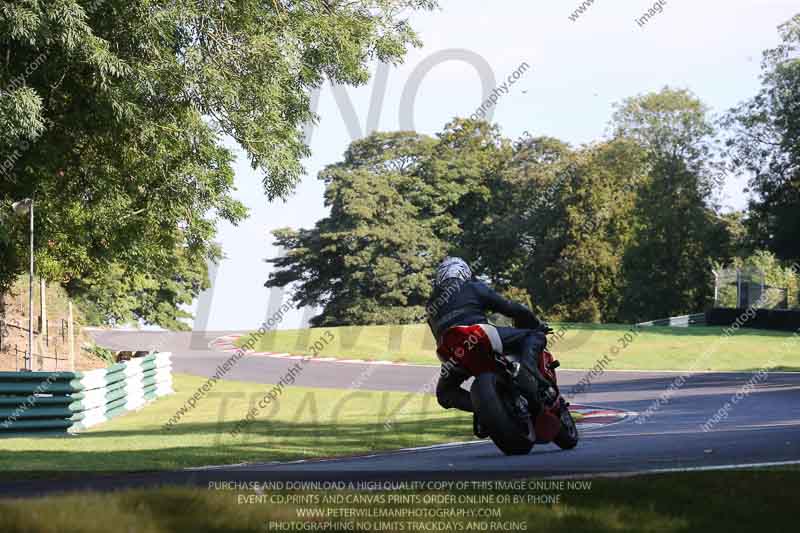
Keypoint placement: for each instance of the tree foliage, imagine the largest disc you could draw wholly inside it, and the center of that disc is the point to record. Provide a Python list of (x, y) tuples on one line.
[(765, 142), (677, 232), (114, 113), (541, 218), (624, 229), (570, 218), (367, 262), (119, 296)]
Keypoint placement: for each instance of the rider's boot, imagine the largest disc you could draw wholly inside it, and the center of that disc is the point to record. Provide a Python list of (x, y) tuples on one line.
[(529, 379), (529, 387)]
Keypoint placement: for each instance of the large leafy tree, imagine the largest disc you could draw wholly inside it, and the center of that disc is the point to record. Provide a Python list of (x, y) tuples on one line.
[(114, 112), (766, 143), (678, 232), (399, 202), (118, 296), (369, 261), (574, 223), (525, 209), (463, 178)]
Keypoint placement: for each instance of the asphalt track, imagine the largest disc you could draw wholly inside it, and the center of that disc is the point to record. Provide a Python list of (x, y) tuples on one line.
[(763, 427)]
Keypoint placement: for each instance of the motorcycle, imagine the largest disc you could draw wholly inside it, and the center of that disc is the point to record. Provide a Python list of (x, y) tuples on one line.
[(497, 391)]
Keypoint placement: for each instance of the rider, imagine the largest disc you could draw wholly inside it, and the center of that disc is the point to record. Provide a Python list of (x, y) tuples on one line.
[(459, 299)]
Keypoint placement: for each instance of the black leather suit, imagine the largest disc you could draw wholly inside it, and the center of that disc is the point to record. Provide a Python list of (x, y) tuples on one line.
[(464, 303)]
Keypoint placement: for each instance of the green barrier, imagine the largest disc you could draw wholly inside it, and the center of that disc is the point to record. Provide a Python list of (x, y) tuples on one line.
[(35, 412), (31, 387), (33, 432), (37, 376), (46, 403), (51, 423), (41, 400), (118, 375), (117, 396)]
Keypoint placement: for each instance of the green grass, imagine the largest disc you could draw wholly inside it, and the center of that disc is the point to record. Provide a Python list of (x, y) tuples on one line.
[(654, 348), (306, 424), (722, 502)]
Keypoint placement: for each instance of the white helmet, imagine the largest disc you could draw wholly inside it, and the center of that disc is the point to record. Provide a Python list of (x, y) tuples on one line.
[(452, 267)]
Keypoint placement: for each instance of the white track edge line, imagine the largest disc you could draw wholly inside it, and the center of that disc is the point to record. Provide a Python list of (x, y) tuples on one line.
[(709, 468)]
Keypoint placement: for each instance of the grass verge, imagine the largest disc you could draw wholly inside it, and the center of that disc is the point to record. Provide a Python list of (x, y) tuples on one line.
[(710, 502), (654, 348), (303, 423)]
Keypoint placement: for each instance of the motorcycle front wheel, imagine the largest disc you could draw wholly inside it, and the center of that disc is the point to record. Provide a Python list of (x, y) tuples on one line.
[(492, 403)]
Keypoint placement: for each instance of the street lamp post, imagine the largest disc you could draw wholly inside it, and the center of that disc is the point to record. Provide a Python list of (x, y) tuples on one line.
[(24, 207)]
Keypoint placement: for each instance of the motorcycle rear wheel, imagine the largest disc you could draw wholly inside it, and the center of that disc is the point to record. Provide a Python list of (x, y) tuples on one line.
[(497, 417)]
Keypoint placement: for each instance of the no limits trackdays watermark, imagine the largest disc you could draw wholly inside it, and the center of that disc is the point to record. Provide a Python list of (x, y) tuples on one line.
[(491, 95), (439, 505)]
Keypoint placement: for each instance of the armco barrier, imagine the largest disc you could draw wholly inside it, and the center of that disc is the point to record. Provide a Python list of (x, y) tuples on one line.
[(48, 402), (684, 321)]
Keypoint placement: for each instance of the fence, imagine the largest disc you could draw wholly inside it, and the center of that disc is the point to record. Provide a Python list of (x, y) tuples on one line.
[(39, 359), (743, 288), (42, 339), (61, 402)]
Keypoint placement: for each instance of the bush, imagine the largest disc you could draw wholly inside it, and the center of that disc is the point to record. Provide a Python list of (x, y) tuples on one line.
[(104, 354)]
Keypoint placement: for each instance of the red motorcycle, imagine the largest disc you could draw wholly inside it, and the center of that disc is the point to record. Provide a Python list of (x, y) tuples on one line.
[(496, 393)]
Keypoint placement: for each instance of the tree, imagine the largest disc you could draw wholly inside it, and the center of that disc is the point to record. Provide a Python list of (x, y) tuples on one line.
[(463, 177), (538, 219), (578, 224), (370, 260), (399, 203), (114, 113), (10, 262), (765, 142), (523, 206), (677, 232), (776, 276), (118, 295)]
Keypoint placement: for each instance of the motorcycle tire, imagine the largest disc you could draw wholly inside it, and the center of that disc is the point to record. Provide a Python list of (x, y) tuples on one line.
[(567, 437), (497, 418)]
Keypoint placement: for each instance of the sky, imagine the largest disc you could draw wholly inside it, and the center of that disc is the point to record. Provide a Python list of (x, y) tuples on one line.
[(576, 71)]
